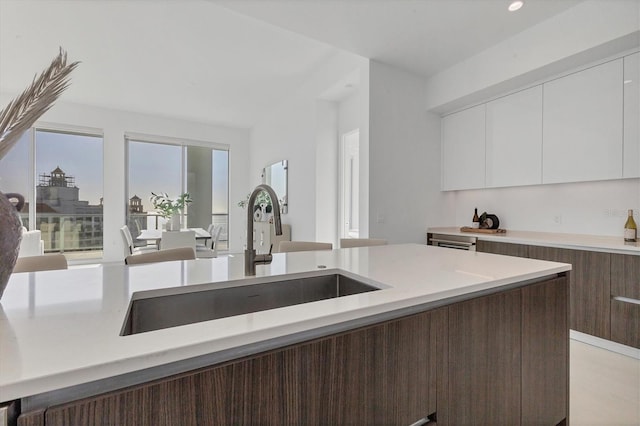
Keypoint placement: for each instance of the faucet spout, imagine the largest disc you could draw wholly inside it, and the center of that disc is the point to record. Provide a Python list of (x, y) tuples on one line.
[(250, 257)]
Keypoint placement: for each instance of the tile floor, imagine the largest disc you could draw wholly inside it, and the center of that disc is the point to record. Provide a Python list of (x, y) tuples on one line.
[(604, 387)]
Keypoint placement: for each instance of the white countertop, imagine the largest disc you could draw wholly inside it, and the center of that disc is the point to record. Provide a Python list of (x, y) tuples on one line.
[(62, 328), (551, 239)]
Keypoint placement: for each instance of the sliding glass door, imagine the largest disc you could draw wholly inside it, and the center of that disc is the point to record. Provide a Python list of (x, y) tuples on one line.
[(175, 168)]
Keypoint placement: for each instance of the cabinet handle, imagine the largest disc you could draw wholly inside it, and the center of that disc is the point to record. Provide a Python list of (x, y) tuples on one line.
[(626, 300), (431, 418)]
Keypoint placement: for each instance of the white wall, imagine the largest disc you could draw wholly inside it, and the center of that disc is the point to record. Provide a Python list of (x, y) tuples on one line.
[(290, 132), (348, 114), (597, 208), (404, 157), (326, 154), (115, 124)]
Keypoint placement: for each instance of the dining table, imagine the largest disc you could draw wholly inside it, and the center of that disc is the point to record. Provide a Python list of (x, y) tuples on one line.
[(151, 235)]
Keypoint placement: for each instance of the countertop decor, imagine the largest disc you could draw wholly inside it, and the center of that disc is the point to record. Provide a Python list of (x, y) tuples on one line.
[(16, 118)]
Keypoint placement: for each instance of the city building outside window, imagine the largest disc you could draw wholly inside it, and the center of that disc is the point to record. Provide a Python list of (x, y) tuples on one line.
[(60, 173)]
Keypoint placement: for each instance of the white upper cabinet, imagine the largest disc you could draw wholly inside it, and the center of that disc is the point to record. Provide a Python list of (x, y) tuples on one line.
[(631, 149), (514, 139), (463, 149), (582, 125)]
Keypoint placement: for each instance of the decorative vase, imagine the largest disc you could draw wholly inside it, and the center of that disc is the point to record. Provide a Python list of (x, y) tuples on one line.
[(173, 224), (10, 235)]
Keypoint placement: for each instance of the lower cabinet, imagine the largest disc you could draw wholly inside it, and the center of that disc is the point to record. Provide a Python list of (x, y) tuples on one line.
[(625, 299), (507, 249), (591, 287), (509, 358), (500, 359)]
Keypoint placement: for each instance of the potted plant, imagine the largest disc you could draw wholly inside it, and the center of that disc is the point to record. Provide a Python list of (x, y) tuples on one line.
[(263, 205), (170, 209)]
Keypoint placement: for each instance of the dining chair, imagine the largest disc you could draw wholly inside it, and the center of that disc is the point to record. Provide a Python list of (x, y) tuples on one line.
[(210, 250), (129, 248), (291, 246), (45, 262), (180, 253), (175, 239), (205, 242), (361, 242)]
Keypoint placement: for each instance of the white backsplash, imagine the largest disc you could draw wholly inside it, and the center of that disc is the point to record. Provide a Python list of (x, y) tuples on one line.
[(596, 208)]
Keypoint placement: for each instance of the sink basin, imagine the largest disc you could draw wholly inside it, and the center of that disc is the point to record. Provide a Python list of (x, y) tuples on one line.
[(159, 312)]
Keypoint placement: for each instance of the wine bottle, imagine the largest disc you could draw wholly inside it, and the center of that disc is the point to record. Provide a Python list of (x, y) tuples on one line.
[(630, 229), (475, 223)]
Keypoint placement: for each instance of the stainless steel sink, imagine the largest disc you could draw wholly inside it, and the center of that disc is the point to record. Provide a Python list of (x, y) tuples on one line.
[(159, 312)]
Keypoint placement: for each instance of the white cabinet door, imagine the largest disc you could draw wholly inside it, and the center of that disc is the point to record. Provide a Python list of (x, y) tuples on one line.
[(463, 149), (631, 149), (514, 139), (582, 125)]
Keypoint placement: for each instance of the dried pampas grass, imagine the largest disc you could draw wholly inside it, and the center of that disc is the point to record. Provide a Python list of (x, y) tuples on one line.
[(22, 112)]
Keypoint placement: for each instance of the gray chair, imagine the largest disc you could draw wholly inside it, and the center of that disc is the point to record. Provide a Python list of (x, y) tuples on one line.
[(361, 242), (181, 253), (291, 246), (175, 239), (45, 262)]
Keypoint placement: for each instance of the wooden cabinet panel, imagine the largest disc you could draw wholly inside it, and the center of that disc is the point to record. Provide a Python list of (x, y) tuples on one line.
[(625, 323), (625, 276), (485, 360), (590, 284), (383, 374), (507, 249), (625, 315), (463, 149), (582, 133), (545, 352), (35, 418), (514, 139)]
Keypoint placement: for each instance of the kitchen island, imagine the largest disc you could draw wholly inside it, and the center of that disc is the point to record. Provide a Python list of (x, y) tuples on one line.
[(449, 335)]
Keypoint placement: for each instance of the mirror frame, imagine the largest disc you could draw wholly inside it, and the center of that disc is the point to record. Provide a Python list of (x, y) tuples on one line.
[(266, 178)]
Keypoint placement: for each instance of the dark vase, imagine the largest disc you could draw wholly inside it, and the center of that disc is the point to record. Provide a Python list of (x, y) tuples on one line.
[(10, 235)]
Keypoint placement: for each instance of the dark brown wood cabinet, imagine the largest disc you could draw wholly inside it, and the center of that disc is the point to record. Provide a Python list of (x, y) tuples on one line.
[(604, 288), (625, 299), (496, 359), (507, 249), (383, 374), (589, 288), (485, 360), (545, 353)]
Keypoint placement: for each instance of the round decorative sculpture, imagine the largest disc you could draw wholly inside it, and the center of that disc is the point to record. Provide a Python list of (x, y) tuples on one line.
[(10, 235)]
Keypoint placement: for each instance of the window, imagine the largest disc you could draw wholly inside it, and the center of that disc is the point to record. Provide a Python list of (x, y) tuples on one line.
[(175, 167), (60, 174)]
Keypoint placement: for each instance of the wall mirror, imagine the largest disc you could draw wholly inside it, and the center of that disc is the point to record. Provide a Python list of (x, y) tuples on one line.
[(275, 175)]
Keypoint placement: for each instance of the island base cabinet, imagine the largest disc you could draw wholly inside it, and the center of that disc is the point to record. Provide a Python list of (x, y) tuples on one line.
[(545, 353), (485, 361), (382, 374), (499, 359)]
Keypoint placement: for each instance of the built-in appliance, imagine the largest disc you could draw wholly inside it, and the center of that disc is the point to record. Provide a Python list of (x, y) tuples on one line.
[(460, 242)]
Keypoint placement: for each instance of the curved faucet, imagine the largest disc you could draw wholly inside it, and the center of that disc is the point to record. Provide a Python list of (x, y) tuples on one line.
[(250, 256)]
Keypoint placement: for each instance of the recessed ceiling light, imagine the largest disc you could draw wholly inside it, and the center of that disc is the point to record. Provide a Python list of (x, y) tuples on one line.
[(515, 5)]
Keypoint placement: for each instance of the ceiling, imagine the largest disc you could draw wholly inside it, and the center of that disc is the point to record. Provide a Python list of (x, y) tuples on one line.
[(229, 61)]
